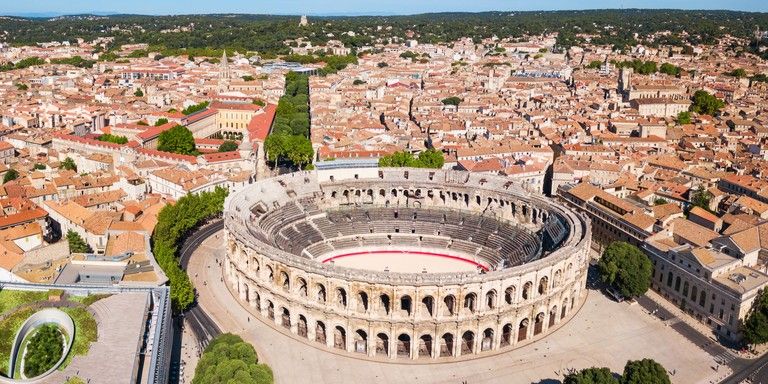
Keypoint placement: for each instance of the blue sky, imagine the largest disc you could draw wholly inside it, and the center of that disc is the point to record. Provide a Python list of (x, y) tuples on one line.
[(325, 7)]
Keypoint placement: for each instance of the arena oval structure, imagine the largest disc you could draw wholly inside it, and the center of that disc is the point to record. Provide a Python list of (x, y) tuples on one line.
[(399, 263)]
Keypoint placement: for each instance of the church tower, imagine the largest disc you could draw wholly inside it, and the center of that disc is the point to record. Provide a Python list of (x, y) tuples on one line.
[(224, 73)]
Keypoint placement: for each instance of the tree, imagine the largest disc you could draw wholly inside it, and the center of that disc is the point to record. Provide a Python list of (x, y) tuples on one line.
[(161, 121), (382, 64), (138, 93), (684, 118), (669, 69), (229, 359), (39, 167), (259, 102), (112, 138), (627, 268), (76, 243), (755, 327), (248, 78), (43, 350), (701, 198), (228, 146), (738, 72), (594, 64), (358, 82), (195, 108), (12, 174), (660, 201), (592, 375), (453, 100), (645, 371), (21, 86), (69, 164), (706, 104), (178, 139), (431, 158)]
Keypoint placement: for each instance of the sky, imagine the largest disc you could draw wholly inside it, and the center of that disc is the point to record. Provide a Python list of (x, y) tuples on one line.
[(349, 7)]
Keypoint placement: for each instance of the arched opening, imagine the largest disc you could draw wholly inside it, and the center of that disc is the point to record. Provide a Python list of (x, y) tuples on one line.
[(506, 335), (362, 301), (486, 343), (425, 346), (552, 316), (428, 302), (270, 276), (285, 319), (558, 278), (404, 346), (270, 310), (509, 294), (302, 326), (543, 285), (382, 344), (539, 324), (564, 309), (320, 332), (522, 332), (446, 345), (490, 299), (470, 302), (527, 290), (286, 281), (320, 293), (450, 305), (256, 302), (340, 338), (361, 342), (302, 287), (384, 303), (341, 297), (467, 343), (406, 305)]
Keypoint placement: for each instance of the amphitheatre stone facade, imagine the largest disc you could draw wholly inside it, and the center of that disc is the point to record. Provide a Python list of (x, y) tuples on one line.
[(531, 257)]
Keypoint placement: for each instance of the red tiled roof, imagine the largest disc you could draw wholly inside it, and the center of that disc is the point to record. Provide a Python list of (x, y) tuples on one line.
[(167, 155), (222, 156), (261, 124), (153, 132), (94, 142)]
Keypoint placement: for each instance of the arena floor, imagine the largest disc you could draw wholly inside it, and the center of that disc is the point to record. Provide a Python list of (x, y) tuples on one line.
[(404, 261)]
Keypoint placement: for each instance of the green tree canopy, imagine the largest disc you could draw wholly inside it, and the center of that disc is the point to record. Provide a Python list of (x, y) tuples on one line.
[(627, 268), (755, 327), (453, 100), (161, 121), (76, 243), (738, 72), (594, 64), (228, 359), (431, 158), (701, 197), (69, 164), (195, 108), (179, 140), (43, 350), (706, 104), (12, 174), (228, 146), (592, 375), (138, 93), (645, 371), (669, 69), (684, 118), (112, 138)]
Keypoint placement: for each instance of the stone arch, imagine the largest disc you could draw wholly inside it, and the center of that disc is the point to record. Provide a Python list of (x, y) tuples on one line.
[(425, 346), (406, 305), (522, 331), (467, 343), (428, 302), (450, 305), (321, 295), (270, 310), (320, 332), (446, 345), (486, 344), (341, 297), (538, 323), (558, 278), (552, 316), (285, 281), (509, 294), (361, 342), (382, 344), (384, 303), (543, 285), (302, 287), (285, 319), (490, 299), (506, 334), (302, 326), (404, 345), (564, 309), (362, 301), (527, 288), (340, 338), (269, 274), (470, 302)]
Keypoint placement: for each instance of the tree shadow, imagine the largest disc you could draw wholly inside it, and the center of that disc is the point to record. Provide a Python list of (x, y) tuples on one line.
[(549, 381)]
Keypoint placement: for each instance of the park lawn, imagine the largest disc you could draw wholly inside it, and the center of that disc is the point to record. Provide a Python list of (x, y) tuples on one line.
[(9, 300), (85, 333), (88, 300), (8, 329)]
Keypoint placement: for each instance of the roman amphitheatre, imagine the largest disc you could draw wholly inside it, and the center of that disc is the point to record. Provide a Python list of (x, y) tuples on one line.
[(411, 264)]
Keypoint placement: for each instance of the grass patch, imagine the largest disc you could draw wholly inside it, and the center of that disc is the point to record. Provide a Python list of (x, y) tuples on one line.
[(43, 350), (75, 380), (88, 300), (85, 333), (10, 300), (8, 329)]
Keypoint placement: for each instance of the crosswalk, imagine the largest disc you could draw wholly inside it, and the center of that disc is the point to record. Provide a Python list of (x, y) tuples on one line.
[(725, 357)]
